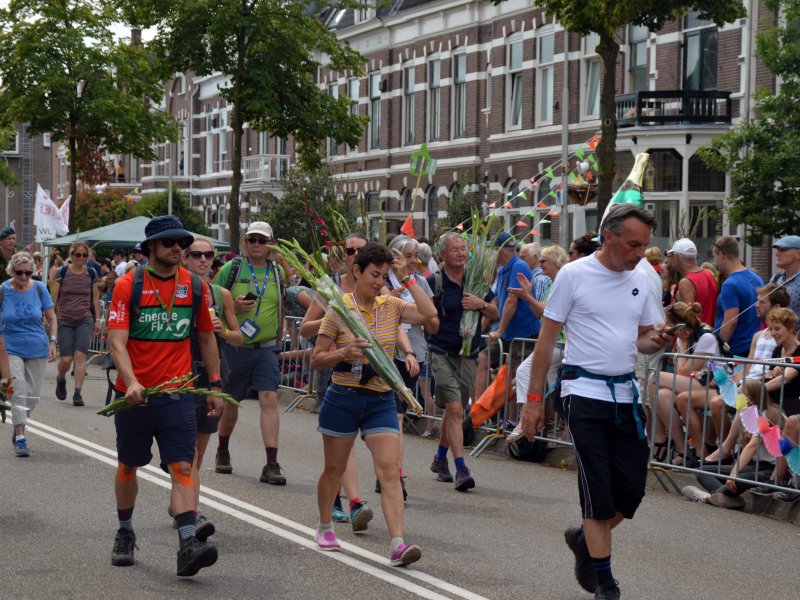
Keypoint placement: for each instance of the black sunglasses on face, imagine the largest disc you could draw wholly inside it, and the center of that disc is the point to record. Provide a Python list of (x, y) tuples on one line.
[(198, 254), (79, 255), (256, 239), (170, 242), (351, 251), (23, 273)]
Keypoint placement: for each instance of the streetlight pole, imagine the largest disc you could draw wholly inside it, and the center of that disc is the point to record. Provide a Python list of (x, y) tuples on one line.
[(169, 179), (563, 226)]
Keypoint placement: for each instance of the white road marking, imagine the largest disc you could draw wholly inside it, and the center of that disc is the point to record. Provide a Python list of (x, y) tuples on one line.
[(158, 477)]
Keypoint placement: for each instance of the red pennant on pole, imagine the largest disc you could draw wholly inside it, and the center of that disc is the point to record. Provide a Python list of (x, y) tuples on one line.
[(408, 227), (521, 223)]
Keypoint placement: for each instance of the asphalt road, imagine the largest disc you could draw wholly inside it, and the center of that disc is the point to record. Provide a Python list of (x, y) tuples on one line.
[(503, 540)]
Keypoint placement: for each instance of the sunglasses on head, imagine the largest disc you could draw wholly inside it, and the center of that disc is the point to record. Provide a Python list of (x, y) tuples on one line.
[(351, 251), (79, 255), (198, 254), (20, 273), (170, 242), (257, 239)]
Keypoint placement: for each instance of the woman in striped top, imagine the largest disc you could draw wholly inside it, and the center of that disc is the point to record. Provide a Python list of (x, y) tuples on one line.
[(365, 401)]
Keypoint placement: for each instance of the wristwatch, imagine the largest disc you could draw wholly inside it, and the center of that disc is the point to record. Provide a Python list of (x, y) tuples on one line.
[(53, 338), (412, 353), (485, 306)]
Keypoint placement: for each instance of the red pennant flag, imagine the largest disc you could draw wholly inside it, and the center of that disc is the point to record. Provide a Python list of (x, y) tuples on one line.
[(553, 213), (593, 142), (541, 204), (533, 232), (521, 223), (493, 205), (509, 205), (460, 227), (589, 175), (408, 227)]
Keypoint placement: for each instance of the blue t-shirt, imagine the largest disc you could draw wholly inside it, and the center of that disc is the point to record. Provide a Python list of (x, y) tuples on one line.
[(23, 331), (739, 291), (524, 323)]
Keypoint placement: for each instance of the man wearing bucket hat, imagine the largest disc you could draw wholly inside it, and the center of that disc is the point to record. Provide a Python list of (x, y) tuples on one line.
[(152, 315), (8, 245), (256, 284), (787, 257)]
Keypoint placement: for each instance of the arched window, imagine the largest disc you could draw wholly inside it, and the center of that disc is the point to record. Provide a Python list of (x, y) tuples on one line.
[(664, 172), (405, 200), (512, 194), (703, 178), (373, 202)]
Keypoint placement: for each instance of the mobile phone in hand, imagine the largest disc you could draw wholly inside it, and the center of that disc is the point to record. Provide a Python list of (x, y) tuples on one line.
[(250, 297), (674, 328)]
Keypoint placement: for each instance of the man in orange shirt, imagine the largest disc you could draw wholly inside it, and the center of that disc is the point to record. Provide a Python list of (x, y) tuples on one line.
[(150, 344)]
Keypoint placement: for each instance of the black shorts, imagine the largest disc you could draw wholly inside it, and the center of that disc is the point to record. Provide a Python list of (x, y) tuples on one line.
[(612, 459)]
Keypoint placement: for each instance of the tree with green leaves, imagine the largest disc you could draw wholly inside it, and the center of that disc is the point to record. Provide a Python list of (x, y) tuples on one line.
[(608, 19), (760, 153), (153, 205), (64, 73), (7, 176), (95, 209), (270, 52)]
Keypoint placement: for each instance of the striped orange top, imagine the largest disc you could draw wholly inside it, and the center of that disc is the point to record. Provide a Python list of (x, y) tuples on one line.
[(388, 310)]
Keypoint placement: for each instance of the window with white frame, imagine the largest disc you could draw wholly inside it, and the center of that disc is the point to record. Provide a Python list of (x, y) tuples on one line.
[(11, 144), (488, 104), (514, 79), (544, 76), (408, 103), (434, 100), (333, 92), (209, 149), (637, 63), (459, 95), (364, 13), (374, 111), (700, 55), (46, 140), (353, 92), (593, 67)]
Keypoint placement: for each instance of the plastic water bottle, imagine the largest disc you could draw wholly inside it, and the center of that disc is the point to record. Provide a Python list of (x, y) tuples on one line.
[(356, 369)]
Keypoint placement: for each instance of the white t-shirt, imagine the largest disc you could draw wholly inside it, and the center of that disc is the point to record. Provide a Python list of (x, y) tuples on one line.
[(120, 268), (602, 311), (707, 344), (656, 291)]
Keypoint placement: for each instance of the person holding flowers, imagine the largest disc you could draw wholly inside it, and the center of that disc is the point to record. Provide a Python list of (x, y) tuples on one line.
[(361, 399), (150, 344)]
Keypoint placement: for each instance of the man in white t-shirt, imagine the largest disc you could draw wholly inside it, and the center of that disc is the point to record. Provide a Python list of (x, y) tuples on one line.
[(603, 300)]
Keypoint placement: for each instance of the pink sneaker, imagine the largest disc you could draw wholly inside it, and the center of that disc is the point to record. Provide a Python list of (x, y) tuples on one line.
[(327, 541), (405, 555)]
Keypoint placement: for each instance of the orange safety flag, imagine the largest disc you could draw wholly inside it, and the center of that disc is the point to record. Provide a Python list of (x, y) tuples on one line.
[(492, 400), (408, 226), (592, 143)]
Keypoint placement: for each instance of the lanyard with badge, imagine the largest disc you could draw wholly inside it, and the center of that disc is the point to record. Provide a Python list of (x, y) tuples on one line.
[(248, 327), (170, 315)]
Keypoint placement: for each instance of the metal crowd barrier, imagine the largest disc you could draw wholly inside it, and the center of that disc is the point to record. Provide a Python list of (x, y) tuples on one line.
[(98, 347), (294, 362), (686, 422)]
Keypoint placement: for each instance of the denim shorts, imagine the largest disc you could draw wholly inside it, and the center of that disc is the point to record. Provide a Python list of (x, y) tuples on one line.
[(171, 420), (252, 369), (345, 410)]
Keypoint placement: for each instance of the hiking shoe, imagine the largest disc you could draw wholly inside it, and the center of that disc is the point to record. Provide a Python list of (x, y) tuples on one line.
[(195, 555), (61, 388), (405, 555), (223, 462), (271, 474), (584, 571), (204, 528), (608, 591), (77, 399), (360, 516), (695, 494), (21, 447), (124, 545), (787, 496), (442, 470), (726, 501), (464, 480), (327, 541)]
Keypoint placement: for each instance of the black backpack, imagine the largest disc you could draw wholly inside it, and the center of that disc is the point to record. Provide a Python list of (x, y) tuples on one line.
[(526, 450)]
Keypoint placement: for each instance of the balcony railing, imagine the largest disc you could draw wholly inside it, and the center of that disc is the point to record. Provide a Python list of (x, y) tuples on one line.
[(265, 167), (673, 106)]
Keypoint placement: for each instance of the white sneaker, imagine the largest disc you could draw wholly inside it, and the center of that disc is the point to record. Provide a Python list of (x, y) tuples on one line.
[(514, 435), (695, 494)]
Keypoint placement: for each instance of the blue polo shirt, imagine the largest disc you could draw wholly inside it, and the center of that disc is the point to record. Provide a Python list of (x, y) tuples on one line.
[(448, 304), (524, 323)]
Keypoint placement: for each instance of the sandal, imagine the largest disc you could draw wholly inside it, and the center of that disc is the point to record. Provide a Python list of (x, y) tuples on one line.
[(662, 451)]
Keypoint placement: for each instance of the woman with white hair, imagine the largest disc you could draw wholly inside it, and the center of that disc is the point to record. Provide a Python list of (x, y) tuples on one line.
[(24, 304)]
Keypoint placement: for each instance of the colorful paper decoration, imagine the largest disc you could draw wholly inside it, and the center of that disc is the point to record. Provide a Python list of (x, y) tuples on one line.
[(793, 460), (521, 223), (592, 143), (541, 204), (408, 227), (544, 222), (772, 440), (728, 391), (763, 424), (530, 213), (533, 232), (580, 152), (553, 213), (749, 418), (741, 402), (493, 205), (508, 205), (549, 172), (786, 446), (460, 227)]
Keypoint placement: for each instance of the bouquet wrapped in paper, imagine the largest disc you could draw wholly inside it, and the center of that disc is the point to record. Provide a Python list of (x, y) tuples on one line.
[(327, 289), (177, 385), (6, 391), (479, 271)]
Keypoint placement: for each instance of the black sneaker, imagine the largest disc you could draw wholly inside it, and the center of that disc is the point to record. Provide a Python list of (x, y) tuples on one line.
[(271, 474), (442, 470), (464, 480), (205, 529), (124, 545), (223, 462), (77, 399), (584, 571), (607, 591), (61, 388), (195, 555), (787, 496)]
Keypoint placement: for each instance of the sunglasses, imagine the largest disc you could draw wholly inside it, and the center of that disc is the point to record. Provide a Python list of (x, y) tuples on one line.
[(182, 242), (23, 273), (257, 239), (351, 251), (79, 255), (198, 254)]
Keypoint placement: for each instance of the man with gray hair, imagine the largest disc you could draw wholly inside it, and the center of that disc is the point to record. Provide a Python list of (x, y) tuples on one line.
[(603, 303), (696, 284), (531, 253)]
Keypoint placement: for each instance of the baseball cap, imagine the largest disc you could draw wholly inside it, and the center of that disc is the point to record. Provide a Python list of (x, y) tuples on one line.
[(504, 240), (260, 228), (684, 247), (788, 241)]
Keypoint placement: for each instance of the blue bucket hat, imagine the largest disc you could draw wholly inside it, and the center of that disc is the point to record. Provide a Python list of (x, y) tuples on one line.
[(165, 227)]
